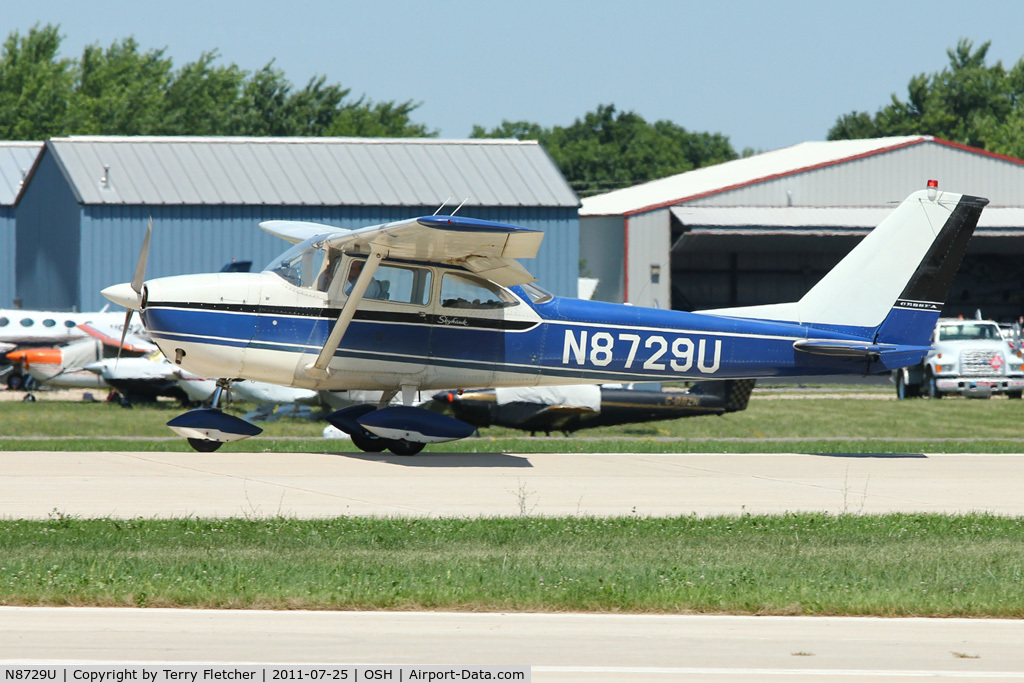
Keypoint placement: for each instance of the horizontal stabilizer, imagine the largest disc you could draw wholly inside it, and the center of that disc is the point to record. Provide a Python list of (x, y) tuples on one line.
[(735, 393), (891, 356), (132, 343)]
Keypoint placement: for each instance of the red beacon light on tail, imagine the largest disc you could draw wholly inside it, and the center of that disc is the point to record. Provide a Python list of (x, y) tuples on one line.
[(933, 189)]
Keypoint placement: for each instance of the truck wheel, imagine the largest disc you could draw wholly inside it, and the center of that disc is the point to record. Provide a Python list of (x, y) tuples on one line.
[(905, 390), (1014, 394), (933, 390)]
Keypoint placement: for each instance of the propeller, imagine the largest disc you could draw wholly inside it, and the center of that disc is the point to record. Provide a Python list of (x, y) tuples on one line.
[(119, 293)]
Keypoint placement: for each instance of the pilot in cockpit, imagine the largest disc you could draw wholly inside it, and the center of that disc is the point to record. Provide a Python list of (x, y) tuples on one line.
[(375, 290)]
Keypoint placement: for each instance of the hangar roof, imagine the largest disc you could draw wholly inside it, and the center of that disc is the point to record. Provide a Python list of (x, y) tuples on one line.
[(709, 180), (310, 171), (16, 159)]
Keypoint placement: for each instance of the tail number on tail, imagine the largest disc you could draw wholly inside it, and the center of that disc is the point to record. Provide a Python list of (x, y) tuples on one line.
[(659, 354)]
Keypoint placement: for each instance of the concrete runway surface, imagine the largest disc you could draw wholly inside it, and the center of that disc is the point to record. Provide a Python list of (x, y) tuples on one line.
[(559, 647), (127, 484)]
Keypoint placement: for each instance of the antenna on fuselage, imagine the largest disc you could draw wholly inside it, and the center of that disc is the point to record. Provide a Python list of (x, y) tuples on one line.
[(459, 206), (442, 206)]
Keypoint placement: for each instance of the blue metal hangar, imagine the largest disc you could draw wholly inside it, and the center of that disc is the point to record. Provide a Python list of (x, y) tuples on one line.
[(16, 158), (765, 228), (83, 209)]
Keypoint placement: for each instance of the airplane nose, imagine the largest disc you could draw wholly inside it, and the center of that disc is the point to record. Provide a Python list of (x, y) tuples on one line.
[(95, 367), (123, 295)]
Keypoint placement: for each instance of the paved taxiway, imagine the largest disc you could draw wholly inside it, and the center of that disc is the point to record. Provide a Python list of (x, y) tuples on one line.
[(131, 484), (558, 647)]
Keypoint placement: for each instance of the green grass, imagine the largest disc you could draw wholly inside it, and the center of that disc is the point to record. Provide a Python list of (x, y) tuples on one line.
[(807, 424), (891, 565)]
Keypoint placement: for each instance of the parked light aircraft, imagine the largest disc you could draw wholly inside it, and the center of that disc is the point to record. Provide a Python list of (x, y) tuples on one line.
[(452, 308), (19, 327), (585, 406), (64, 366), (33, 328), (44, 330)]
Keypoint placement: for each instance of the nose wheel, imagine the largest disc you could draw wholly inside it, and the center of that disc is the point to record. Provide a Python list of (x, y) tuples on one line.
[(206, 429), (205, 445)]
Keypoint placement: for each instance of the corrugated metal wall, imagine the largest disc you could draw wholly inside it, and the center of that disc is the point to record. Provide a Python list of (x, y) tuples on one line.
[(191, 239), (48, 232), (601, 250), (648, 268), (7, 241), (15, 160), (886, 178)]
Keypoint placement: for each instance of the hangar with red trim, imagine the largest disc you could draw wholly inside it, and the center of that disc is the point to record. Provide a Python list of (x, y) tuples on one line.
[(765, 228)]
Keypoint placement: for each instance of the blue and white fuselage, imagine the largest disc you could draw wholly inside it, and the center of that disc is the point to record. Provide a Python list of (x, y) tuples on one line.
[(552, 341), (442, 303)]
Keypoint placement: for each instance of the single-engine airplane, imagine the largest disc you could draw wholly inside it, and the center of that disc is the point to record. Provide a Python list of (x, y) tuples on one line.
[(450, 307)]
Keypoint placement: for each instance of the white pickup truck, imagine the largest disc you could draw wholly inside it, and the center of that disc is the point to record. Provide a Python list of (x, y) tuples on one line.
[(968, 357)]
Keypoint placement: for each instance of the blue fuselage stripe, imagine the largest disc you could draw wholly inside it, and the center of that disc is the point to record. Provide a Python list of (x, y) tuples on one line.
[(574, 340)]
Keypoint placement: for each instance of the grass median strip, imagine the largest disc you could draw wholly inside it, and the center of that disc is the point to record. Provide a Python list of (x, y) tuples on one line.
[(889, 565), (801, 425)]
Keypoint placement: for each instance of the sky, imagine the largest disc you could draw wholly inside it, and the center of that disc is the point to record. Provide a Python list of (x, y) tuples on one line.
[(765, 74)]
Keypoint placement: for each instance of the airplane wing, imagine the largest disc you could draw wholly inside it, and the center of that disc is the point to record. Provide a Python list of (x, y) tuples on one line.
[(111, 337), (299, 231), (484, 247)]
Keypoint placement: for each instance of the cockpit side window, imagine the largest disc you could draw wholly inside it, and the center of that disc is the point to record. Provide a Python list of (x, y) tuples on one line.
[(330, 270), (402, 284), (466, 291)]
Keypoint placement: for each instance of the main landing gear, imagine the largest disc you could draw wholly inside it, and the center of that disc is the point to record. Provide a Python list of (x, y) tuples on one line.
[(403, 430)]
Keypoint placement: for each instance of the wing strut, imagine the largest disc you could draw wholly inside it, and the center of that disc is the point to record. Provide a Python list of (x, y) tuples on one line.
[(318, 369)]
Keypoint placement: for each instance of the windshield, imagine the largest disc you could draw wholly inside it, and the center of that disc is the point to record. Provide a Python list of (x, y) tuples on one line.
[(537, 294), (968, 331), (300, 264)]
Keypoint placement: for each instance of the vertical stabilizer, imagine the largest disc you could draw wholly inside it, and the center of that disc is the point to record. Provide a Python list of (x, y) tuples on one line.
[(894, 282)]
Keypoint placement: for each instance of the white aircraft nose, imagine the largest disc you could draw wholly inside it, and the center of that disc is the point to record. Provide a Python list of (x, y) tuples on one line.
[(94, 367), (123, 295)]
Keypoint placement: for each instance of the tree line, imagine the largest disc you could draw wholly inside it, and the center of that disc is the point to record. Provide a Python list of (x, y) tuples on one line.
[(968, 102), (125, 90)]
